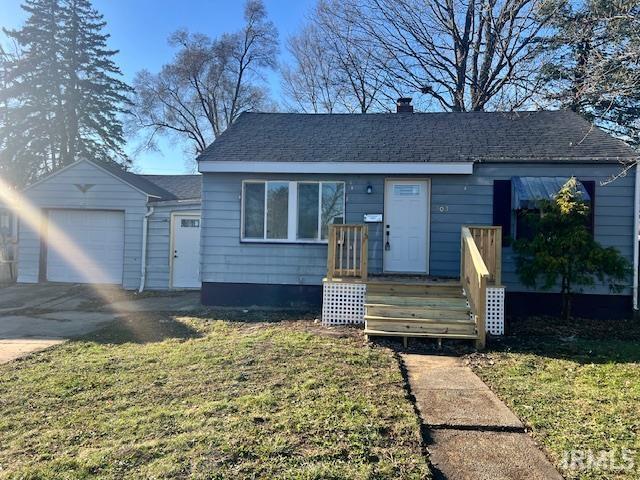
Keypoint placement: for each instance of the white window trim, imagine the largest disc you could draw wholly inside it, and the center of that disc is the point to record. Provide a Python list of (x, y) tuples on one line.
[(292, 225)]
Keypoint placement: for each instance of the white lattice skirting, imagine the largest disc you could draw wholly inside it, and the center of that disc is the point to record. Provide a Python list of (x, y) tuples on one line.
[(495, 310), (343, 303)]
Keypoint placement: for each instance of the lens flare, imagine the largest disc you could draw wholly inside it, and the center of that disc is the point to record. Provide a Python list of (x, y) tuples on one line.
[(57, 240), (32, 218)]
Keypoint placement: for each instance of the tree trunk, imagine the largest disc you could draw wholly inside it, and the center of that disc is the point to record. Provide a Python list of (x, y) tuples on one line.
[(583, 51), (566, 299)]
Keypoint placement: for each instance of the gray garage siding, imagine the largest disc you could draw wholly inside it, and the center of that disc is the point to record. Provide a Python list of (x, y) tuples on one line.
[(108, 193), (455, 200), (159, 240)]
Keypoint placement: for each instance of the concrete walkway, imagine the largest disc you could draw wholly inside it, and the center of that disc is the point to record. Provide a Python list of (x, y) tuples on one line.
[(471, 434), (36, 317)]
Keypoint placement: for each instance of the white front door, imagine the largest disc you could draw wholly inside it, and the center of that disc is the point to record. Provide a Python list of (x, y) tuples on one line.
[(95, 249), (406, 223), (186, 251)]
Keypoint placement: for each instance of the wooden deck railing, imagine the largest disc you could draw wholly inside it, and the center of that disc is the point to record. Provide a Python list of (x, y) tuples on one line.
[(489, 242), (348, 251), (474, 273)]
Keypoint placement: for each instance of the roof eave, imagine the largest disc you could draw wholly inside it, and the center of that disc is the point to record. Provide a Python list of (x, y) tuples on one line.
[(560, 160), (394, 168), (181, 201)]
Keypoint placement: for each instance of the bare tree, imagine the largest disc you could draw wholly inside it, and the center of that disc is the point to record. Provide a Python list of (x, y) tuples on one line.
[(209, 83), (311, 85), (361, 69), (333, 69), (462, 54)]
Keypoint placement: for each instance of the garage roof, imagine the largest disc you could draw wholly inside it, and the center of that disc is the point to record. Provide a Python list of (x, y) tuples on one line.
[(181, 187), (160, 187), (164, 187)]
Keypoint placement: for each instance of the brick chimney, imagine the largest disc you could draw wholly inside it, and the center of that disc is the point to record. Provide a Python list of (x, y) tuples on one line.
[(403, 105)]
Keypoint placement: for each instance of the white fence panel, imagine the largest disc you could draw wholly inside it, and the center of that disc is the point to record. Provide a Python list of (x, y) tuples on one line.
[(343, 303)]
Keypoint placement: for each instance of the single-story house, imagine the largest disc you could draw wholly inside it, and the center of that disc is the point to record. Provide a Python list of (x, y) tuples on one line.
[(273, 182), (116, 227)]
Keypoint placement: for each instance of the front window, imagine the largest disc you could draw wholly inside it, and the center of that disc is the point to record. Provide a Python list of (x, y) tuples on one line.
[(308, 208), (525, 220), (332, 206), (529, 195), (291, 211), (254, 209), (277, 208)]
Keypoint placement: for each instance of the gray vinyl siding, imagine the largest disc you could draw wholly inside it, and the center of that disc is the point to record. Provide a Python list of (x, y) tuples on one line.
[(226, 259), (159, 244), (107, 193), (455, 200), (458, 200)]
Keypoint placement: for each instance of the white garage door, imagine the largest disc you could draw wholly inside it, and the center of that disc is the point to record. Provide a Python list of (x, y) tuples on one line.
[(99, 235)]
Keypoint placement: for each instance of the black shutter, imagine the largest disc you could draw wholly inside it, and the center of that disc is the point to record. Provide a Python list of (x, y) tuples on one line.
[(502, 208), (590, 187)]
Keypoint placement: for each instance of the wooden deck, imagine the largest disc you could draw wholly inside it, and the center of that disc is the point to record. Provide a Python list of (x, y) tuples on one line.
[(433, 308), (421, 305)]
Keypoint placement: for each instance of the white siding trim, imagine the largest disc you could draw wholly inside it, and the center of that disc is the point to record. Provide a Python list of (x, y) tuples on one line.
[(387, 168)]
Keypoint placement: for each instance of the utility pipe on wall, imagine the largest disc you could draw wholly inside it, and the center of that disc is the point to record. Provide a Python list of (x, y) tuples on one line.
[(143, 260), (636, 227)]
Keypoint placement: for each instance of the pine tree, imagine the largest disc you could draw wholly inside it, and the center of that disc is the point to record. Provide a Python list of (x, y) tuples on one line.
[(64, 98), (33, 126), (594, 64), (93, 95)]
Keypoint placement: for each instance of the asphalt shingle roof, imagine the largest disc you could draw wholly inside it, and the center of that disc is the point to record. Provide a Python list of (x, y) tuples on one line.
[(163, 187), (137, 181), (181, 187), (419, 137)]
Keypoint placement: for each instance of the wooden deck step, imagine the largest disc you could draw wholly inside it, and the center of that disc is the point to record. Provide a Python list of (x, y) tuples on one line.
[(382, 333), (421, 301), (419, 280), (422, 325), (411, 289), (411, 311), (435, 321), (412, 308)]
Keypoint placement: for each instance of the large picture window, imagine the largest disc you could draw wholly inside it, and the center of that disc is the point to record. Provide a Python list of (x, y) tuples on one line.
[(291, 211)]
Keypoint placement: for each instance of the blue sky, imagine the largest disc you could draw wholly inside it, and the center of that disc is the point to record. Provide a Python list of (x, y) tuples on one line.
[(139, 29)]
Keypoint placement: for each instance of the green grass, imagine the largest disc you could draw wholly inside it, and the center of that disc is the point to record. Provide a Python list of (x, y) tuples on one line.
[(194, 398), (576, 385)]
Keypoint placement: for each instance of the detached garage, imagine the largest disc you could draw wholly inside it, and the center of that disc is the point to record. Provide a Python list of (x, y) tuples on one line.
[(100, 223)]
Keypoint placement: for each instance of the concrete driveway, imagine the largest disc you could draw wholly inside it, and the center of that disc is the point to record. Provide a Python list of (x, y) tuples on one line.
[(35, 317)]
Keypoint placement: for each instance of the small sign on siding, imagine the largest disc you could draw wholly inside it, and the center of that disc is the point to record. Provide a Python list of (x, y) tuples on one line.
[(372, 217)]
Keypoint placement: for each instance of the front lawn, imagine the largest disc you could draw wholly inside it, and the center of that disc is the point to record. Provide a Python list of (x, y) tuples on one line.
[(194, 398), (577, 386)]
